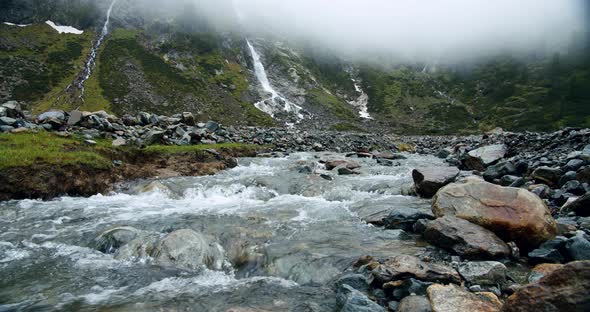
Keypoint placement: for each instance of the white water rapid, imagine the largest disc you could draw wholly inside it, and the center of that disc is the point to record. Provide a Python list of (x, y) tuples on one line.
[(275, 103), (91, 62)]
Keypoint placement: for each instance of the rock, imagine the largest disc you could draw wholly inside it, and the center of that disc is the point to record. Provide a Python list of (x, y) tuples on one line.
[(7, 121), (119, 142), (511, 213), (482, 157), (317, 147), (403, 288), (548, 252), (542, 270), (429, 180), (452, 298), (406, 266), (356, 281), (586, 150), (404, 218), (188, 249), (349, 299), (349, 164), (111, 240), (389, 156), (580, 206), (574, 187), (513, 181), (568, 176), (565, 289), (6, 128), (90, 142), (12, 109), (547, 175), (483, 272), (573, 165), (51, 115), (465, 238), (578, 247), (188, 119), (414, 304), (583, 175), (212, 126), (154, 137), (499, 170), (75, 118)]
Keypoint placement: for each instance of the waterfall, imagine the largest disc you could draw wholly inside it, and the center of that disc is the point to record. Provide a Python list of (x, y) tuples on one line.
[(275, 103), (91, 62), (362, 101)]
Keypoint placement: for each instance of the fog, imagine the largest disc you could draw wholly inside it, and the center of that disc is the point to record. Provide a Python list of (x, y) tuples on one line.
[(410, 30)]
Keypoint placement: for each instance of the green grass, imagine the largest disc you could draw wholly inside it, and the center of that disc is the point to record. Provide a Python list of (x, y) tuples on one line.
[(333, 104), (175, 149), (26, 149)]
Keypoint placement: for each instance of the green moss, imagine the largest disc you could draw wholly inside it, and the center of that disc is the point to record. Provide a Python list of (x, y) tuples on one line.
[(26, 149)]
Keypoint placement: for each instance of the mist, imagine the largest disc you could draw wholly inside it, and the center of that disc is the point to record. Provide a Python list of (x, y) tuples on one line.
[(429, 31)]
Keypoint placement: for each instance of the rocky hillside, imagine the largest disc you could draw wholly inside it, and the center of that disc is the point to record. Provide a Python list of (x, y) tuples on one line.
[(168, 64)]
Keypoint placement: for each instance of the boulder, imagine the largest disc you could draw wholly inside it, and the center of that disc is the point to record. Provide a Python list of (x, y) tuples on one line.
[(429, 180), (349, 299), (414, 304), (483, 272), (483, 157), (404, 218), (511, 213), (565, 289), (112, 239), (452, 298), (7, 121), (465, 238), (188, 249), (547, 175), (75, 118), (406, 266)]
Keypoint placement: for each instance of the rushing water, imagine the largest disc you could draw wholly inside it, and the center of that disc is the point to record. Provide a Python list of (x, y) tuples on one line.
[(300, 232), (275, 103), (91, 62)]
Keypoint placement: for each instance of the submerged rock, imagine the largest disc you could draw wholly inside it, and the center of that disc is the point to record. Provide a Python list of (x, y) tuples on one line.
[(511, 213), (429, 180), (111, 240), (465, 238), (565, 289)]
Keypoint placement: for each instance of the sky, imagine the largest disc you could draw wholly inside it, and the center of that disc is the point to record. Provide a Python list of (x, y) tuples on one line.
[(415, 30)]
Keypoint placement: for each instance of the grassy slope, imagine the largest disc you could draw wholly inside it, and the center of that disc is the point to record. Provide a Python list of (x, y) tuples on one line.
[(26, 149)]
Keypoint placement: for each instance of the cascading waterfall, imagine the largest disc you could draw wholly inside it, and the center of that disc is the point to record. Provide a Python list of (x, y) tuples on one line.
[(362, 101), (91, 62), (275, 103)]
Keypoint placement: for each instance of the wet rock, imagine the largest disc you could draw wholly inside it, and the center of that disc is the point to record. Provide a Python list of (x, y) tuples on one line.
[(356, 281), (483, 157), (188, 249), (404, 218), (414, 304), (547, 175), (483, 272), (452, 298), (112, 239), (465, 238), (406, 266), (349, 164), (578, 247), (542, 270), (429, 180), (389, 156), (346, 171), (511, 213), (565, 289), (349, 299), (499, 170)]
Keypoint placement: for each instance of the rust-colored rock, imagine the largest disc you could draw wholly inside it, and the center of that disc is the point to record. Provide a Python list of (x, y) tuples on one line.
[(542, 270), (452, 298), (511, 213), (566, 289), (406, 266)]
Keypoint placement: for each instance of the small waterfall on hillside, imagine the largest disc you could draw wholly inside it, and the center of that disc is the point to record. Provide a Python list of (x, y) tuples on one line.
[(275, 103), (91, 62), (362, 101)]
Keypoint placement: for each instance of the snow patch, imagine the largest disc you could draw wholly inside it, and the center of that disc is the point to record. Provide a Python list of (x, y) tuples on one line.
[(64, 29), (18, 25)]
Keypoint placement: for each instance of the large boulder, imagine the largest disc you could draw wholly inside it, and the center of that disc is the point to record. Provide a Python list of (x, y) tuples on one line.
[(452, 298), (511, 213), (406, 266), (479, 159), (565, 289), (430, 179), (465, 238)]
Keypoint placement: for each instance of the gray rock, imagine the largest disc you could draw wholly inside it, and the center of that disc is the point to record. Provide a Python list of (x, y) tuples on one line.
[(119, 142), (429, 180), (568, 176), (4, 128), (12, 109), (112, 239), (406, 266), (499, 170), (75, 117), (465, 238), (356, 281), (7, 121), (154, 137), (414, 304), (578, 247), (188, 119), (483, 157), (51, 115), (573, 165), (404, 288), (483, 272), (349, 299), (574, 187), (346, 171), (548, 252), (404, 218), (212, 126), (586, 150), (579, 206)]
